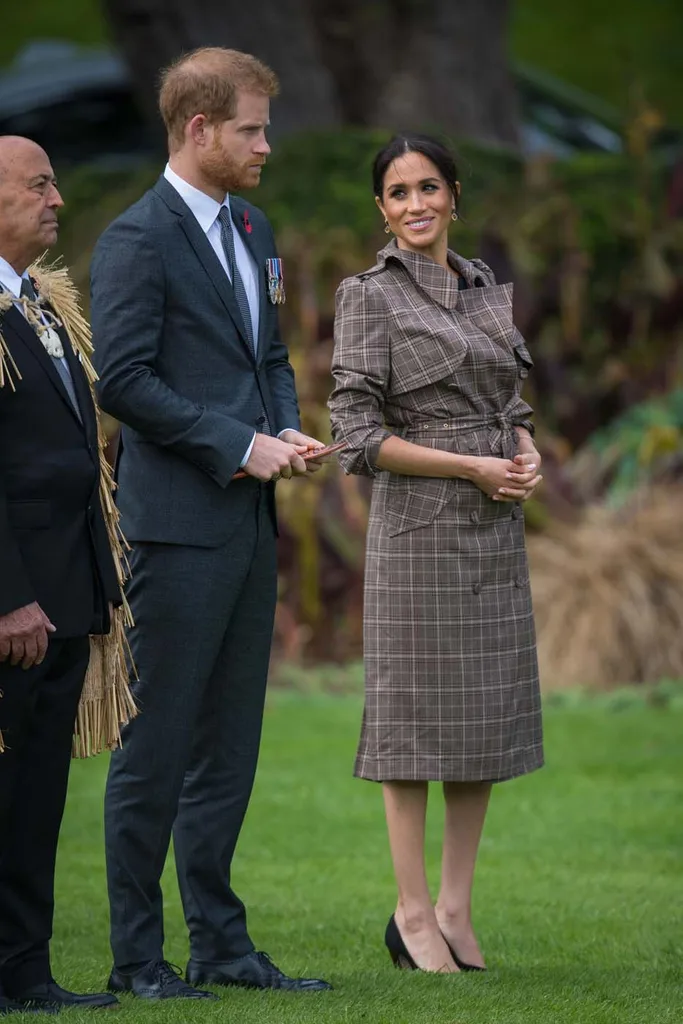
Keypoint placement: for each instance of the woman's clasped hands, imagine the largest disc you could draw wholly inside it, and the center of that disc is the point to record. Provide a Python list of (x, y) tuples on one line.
[(508, 479)]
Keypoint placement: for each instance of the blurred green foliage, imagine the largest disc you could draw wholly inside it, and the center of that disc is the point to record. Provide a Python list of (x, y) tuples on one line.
[(322, 180), (78, 21), (605, 48), (642, 446), (595, 246), (610, 49)]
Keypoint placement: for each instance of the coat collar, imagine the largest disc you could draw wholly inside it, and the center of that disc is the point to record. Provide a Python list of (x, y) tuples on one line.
[(434, 279), (204, 207)]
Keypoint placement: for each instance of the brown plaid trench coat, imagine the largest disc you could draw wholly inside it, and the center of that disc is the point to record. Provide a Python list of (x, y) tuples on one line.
[(451, 673)]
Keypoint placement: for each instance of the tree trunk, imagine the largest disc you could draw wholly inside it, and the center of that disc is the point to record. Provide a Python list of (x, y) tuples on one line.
[(430, 64), (421, 64)]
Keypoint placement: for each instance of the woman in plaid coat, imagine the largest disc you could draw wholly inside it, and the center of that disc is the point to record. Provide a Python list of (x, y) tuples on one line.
[(428, 369)]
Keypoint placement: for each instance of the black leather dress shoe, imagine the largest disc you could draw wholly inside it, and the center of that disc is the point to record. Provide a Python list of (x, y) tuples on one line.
[(52, 997), (156, 980), (8, 1006), (255, 970)]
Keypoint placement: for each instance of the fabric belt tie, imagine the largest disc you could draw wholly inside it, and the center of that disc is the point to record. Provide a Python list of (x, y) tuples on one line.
[(499, 427)]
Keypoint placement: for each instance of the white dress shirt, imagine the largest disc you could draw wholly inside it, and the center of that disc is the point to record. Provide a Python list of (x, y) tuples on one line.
[(11, 282), (206, 211)]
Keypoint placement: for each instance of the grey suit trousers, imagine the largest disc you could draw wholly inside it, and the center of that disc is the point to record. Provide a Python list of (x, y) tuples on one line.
[(201, 644)]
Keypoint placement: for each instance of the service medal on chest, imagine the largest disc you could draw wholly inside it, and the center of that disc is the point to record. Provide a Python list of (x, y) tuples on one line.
[(276, 281)]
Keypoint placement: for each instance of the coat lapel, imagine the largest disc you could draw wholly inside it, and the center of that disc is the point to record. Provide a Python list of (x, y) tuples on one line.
[(211, 264), (82, 389), (21, 327), (251, 240), (205, 254)]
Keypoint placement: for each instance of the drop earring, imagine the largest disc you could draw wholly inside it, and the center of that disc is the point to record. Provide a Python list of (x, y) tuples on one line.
[(454, 215), (387, 229)]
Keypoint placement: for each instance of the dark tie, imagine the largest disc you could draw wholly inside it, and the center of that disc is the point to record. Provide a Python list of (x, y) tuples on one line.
[(228, 240), (61, 365)]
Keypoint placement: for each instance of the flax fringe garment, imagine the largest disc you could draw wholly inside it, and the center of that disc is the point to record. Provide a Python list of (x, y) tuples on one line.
[(451, 676), (106, 702)]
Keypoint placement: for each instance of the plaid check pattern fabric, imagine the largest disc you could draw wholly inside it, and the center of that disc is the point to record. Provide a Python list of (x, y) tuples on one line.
[(451, 675)]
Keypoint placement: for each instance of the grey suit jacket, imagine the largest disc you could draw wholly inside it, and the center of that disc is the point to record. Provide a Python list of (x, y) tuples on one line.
[(177, 371)]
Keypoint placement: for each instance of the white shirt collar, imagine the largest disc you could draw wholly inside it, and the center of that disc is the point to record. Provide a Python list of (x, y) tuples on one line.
[(9, 278), (203, 207)]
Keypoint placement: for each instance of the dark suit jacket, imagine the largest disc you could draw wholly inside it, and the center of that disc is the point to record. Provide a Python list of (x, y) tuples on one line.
[(53, 542), (177, 371)]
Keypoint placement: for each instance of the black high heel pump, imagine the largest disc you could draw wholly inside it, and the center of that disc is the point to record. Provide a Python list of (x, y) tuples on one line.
[(461, 963), (400, 956)]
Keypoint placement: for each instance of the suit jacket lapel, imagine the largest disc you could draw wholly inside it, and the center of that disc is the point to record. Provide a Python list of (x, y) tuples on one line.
[(82, 389), (20, 325), (205, 254), (238, 208)]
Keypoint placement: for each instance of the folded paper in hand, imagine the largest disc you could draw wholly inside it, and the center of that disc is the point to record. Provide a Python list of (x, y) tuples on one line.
[(313, 455)]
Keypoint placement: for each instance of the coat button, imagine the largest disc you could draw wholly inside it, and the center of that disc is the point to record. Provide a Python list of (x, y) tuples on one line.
[(472, 444), (476, 588), (524, 373), (260, 420), (519, 582), (474, 516), (516, 513)]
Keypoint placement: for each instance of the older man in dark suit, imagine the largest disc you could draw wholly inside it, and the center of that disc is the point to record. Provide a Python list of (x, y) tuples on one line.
[(57, 579), (184, 290)]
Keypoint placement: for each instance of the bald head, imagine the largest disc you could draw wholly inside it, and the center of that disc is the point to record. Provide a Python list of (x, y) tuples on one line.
[(29, 201), (16, 150)]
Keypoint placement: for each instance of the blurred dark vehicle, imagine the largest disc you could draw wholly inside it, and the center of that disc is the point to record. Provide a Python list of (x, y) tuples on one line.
[(560, 119), (78, 104)]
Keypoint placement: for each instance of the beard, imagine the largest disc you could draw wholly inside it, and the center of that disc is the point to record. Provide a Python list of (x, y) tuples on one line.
[(226, 173)]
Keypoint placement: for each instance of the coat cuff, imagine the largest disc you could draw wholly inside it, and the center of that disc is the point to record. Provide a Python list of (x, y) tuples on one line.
[(362, 460), (528, 425)]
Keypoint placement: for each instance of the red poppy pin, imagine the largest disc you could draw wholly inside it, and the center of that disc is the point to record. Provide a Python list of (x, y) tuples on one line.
[(246, 222)]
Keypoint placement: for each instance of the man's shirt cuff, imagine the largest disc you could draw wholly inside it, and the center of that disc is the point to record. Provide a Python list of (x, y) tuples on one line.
[(247, 454)]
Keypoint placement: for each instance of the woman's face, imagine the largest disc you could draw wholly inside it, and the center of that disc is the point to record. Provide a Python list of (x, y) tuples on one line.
[(416, 202)]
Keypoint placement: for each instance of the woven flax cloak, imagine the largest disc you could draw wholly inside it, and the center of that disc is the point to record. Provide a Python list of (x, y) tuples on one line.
[(106, 702)]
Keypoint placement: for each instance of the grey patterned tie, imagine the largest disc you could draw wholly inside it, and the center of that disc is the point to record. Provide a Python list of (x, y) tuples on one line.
[(228, 241), (61, 365)]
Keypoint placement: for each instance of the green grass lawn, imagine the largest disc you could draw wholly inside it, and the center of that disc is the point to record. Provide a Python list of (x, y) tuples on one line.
[(578, 900)]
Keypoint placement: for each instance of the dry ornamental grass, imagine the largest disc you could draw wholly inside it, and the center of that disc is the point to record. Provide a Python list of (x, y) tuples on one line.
[(608, 594)]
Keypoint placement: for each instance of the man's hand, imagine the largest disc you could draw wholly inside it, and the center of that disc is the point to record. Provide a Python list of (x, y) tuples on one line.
[(272, 458), (310, 443), (24, 635)]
